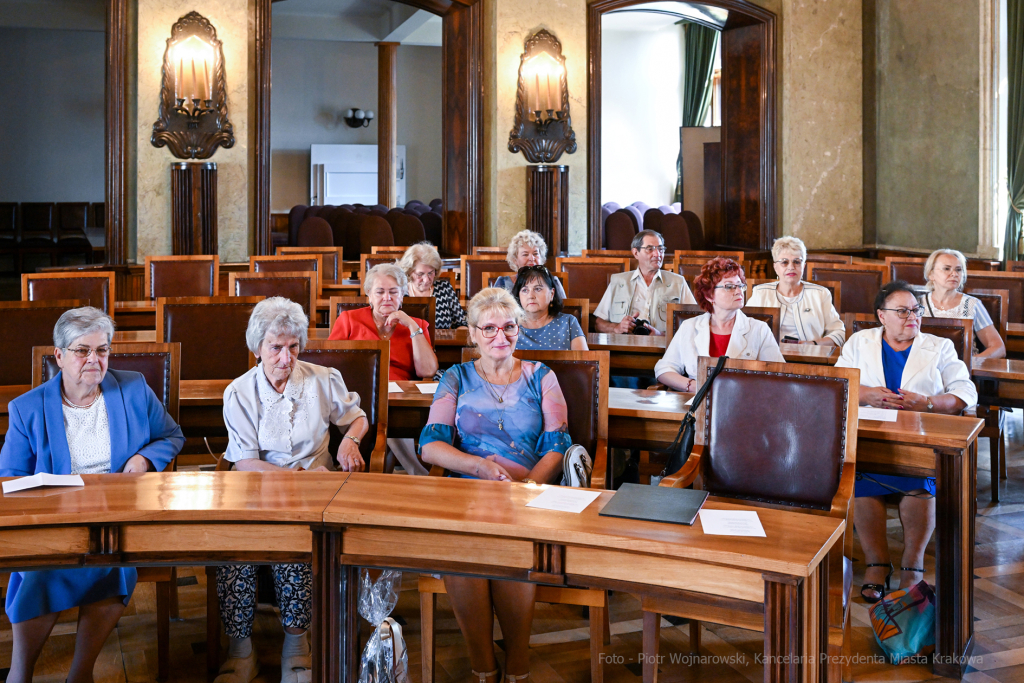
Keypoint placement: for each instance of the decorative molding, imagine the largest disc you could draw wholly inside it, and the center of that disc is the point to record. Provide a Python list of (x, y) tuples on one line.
[(548, 563), (105, 539), (116, 132), (542, 142), (194, 208), (261, 131), (387, 123)]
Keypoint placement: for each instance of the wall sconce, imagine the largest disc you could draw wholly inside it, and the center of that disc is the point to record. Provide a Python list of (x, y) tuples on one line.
[(193, 118), (542, 130), (357, 118)]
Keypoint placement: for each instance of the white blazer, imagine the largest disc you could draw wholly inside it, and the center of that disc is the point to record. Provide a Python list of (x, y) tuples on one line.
[(932, 367), (813, 311), (751, 340)]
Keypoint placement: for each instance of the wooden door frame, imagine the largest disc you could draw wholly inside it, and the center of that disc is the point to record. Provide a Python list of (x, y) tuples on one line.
[(740, 10)]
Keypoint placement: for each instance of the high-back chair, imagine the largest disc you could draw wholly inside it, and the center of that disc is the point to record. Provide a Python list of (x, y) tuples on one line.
[(211, 331), (858, 283), (500, 251), (997, 303), (167, 276), (291, 263), (678, 313), (373, 231), (619, 230), (694, 229), (626, 253), (579, 309), (298, 287), (1013, 282), (675, 232), (422, 307), (653, 220), (368, 261), (315, 232), (331, 258), (832, 287), (433, 226), (24, 325), (96, 288), (808, 413), (408, 230), (819, 257), (473, 268), (906, 268), (295, 217), (960, 331), (394, 251), (588, 276), (583, 375)]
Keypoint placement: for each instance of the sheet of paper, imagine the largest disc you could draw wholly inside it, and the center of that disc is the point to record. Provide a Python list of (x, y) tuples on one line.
[(42, 479), (428, 387), (731, 523), (866, 413), (690, 402), (393, 388), (564, 499)]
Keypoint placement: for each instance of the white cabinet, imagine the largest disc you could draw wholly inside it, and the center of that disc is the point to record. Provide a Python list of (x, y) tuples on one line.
[(347, 174)]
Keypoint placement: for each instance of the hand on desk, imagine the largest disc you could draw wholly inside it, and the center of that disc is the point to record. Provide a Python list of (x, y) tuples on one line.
[(879, 397), (136, 463), (908, 400), (489, 469), (349, 457)]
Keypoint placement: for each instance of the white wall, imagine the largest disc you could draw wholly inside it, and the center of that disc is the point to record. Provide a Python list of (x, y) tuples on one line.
[(641, 110), (316, 80)]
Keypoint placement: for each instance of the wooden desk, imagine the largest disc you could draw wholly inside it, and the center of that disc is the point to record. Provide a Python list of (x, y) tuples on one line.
[(7, 394), (1015, 337), (135, 315), (1000, 381), (408, 411), (810, 353), (448, 345), (483, 528), (630, 354)]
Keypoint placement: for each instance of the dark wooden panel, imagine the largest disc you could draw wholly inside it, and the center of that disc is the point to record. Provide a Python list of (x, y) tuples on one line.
[(116, 131), (713, 193), (741, 135), (194, 208), (547, 206), (387, 123), (262, 241)]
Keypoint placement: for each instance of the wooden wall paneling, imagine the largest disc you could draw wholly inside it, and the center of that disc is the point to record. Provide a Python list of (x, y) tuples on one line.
[(547, 205), (116, 131), (194, 208), (387, 123), (713, 199), (262, 239)]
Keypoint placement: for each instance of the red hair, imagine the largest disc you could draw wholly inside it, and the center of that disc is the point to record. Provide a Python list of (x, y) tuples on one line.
[(711, 273)]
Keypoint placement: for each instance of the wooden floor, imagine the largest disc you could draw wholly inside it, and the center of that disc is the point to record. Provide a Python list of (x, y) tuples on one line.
[(560, 646)]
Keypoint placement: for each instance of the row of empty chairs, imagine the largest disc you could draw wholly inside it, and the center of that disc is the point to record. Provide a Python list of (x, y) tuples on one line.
[(681, 230), (53, 229), (358, 228)]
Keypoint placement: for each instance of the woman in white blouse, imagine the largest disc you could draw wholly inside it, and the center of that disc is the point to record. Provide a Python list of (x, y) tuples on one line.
[(808, 315), (945, 273), (277, 416)]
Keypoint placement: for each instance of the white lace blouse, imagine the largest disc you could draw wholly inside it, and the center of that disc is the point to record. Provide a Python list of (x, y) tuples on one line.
[(289, 429), (88, 433)]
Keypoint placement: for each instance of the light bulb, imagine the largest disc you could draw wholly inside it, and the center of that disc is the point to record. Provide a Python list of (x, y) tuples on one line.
[(369, 114), (359, 114), (350, 113)]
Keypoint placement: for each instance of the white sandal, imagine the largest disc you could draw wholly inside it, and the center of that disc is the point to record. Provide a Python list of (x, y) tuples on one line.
[(238, 669), (297, 669)]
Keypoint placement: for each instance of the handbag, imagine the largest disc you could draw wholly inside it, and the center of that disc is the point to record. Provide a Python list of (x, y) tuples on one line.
[(904, 624), (679, 451)]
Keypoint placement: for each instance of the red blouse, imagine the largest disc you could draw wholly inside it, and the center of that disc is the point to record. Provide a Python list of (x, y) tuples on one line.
[(718, 346), (358, 325)]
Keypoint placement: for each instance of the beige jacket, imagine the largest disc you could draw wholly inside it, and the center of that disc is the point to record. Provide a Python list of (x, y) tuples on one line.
[(666, 288)]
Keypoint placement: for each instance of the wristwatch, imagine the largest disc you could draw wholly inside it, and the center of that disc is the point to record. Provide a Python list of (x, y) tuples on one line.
[(414, 333), (930, 406), (354, 438)]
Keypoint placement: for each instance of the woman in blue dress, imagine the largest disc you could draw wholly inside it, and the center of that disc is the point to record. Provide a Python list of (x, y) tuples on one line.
[(544, 327), (86, 420)]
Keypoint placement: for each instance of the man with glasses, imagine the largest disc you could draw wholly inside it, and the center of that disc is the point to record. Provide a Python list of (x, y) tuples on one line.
[(641, 297)]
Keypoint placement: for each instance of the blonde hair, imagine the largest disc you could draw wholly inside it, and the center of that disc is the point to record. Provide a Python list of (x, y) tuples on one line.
[(525, 238), (390, 270), (491, 299), (789, 244), (424, 252), (929, 266)]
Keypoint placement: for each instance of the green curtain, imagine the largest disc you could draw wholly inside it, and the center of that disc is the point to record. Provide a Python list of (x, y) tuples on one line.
[(698, 67), (1015, 127)]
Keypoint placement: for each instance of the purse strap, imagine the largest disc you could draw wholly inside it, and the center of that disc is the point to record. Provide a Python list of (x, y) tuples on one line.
[(699, 396), (684, 437)]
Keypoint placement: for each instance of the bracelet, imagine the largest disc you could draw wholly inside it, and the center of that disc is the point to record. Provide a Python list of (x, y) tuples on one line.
[(354, 438), (415, 333)]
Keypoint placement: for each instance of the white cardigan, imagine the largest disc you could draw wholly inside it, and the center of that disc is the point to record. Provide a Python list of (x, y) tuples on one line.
[(813, 311), (751, 340), (932, 367)]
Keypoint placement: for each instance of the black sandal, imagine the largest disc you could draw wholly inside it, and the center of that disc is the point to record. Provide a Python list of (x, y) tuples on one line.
[(877, 587), (911, 569)]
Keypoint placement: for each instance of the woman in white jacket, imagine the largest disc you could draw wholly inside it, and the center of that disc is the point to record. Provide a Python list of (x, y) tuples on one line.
[(901, 368), (722, 331), (808, 315)]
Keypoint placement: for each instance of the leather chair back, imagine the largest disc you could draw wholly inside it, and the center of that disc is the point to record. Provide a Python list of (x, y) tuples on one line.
[(158, 363), (433, 226), (297, 287), (23, 325), (436, 204), (211, 331), (997, 303), (910, 270), (619, 231), (364, 367), (675, 232), (96, 288), (679, 313), (473, 269), (689, 268), (368, 261), (633, 216), (330, 259), (1010, 281), (653, 219), (290, 263), (588, 276), (38, 222), (374, 231), (8, 221), (984, 264), (422, 307), (579, 309), (343, 229), (694, 229), (98, 213), (858, 287), (72, 219), (315, 232), (171, 276), (960, 331), (295, 217), (408, 230)]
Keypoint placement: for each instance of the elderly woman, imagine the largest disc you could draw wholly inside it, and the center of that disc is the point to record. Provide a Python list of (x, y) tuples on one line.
[(502, 419), (86, 420), (421, 264), (945, 273), (808, 315), (722, 331), (526, 248), (277, 415), (544, 326), (901, 368)]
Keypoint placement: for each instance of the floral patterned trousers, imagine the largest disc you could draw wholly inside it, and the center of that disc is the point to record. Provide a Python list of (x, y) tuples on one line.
[(236, 592)]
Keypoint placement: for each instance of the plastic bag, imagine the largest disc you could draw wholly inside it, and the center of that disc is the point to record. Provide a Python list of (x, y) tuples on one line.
[(904, 624), (384, 660)]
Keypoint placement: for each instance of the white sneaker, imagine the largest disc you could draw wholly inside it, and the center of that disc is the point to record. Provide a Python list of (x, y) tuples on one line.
[(576, 467), (238, 670), (296, 669)]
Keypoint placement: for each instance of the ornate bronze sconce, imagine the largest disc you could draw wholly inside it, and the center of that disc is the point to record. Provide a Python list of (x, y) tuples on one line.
[(543, 128)]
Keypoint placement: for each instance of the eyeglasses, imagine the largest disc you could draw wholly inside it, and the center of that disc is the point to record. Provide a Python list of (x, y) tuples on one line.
[(490, 331), (796, 262), (732, 288), (84, 351), (650, 249), (904, 313)]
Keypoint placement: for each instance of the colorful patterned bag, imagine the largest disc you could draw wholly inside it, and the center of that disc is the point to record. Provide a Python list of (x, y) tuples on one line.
[(904, 623)]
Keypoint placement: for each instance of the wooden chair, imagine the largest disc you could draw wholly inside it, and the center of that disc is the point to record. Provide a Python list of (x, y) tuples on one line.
[(24, 325), (587, 277), (690, 268), (960, 331), (832, 287), (291, 263), (389, 249), (907, 268), (677, 313), (422, 307), (331, 259), (817, 437), (580, 308), (96, 288), (473, 267), (821, 257), (582, 375), (996, 302), (487, 279), (1013, 282), (298, 287), (190, 320), (858, 283), (367, 261), (621, 253), (707, 255), (1014, 267), (160, 365), (502, 251), (984, 264), (167, 276)]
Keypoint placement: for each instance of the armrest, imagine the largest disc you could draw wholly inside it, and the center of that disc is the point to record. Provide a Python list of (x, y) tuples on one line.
[(380, 450), (599, 475), (685, 476)]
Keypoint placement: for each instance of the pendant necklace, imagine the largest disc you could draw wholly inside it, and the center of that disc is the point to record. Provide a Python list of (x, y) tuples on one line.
[(501, 398)]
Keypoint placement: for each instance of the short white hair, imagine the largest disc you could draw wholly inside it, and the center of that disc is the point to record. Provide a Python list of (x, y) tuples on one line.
[(491, 299), (526, 238), (794, 244), (78, 322), (276, 315), (929, 266), (390, 270), (425, 253)]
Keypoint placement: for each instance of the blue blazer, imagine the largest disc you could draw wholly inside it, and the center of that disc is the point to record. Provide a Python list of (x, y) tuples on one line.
[(36, 440)]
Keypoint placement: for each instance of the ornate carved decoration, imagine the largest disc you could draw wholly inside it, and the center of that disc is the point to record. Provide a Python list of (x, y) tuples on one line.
[(193, 123), (542, 132)]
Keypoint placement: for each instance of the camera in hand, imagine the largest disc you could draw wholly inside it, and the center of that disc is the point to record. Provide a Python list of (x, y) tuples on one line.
[(642, 327)]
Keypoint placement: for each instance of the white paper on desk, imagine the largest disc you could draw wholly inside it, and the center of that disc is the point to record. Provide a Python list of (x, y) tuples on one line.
[(393, 388), (564, 499), (428, 387), (731, 523), (42, 479), (690, 402), (881, 414)]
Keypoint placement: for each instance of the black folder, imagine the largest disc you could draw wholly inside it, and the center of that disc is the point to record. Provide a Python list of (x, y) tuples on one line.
[(655, 504)]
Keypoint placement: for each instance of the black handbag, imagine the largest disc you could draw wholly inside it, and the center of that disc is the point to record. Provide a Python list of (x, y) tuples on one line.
[(679, 451)]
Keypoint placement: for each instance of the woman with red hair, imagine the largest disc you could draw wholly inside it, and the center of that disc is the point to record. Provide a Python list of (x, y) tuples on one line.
[(722, 331)]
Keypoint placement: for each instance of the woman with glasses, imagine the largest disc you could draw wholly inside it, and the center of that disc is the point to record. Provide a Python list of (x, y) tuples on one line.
[(722, 331), (526, 248), (901, 368), (86, 420), (544, 326), (808, 315), (945, 274), (502, 419), (421, 264)]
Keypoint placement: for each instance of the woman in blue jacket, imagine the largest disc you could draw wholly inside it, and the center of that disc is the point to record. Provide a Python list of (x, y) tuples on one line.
[(86, 420)]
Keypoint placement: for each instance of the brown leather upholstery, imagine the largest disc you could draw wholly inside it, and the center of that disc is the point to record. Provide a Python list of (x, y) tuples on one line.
[(368, 261), (957, 330), (297, 287), (630, 216), (588, 277), (408, 230), (694, 229), (910, 271), (689, 268), (172, 276), (654, 219), (211, 331), (432, 226), (422, 307), (759, 448), (858, 287), (374, 231), (293, 263), (315, 232), (678, 313), (579, 309), (94, 288), (675, 232), (344, 229), (23, 325), (72, 219), (996, 302), (580, 382), (295, 217), (330, 259), (473, 270), (38, 223), (619, 230), (1012, 282)]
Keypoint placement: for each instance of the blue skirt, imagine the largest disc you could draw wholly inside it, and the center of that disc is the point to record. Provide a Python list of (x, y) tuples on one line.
[(864, 487), (33, 594)]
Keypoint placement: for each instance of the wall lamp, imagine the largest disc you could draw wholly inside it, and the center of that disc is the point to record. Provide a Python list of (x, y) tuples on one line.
[(542, 130), (357, 118)]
